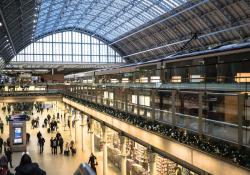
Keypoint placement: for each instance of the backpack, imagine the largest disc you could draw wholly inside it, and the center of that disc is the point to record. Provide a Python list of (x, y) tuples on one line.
[(54, 143)]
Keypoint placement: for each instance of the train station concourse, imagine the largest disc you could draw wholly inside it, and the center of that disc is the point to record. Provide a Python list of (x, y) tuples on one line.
[(125, 87)]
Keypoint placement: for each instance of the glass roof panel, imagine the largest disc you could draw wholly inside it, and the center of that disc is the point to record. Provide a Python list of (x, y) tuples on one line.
[(97, 16)]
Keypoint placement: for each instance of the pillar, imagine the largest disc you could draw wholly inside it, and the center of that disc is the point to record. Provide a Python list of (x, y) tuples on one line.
[(82, 131), (152, 162), (123, 140), (241, 111), (153, 94), (200, 113), (138, 103), (125, 100), (70, 121), (75, 121), (91, 132), (105, 152), (174, 121)]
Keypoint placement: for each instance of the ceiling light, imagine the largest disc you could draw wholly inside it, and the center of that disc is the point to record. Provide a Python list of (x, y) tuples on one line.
[(1, 24), (34, 21)]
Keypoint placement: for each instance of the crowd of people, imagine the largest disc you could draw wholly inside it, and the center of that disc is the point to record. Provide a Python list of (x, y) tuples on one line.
[(26, 166), (57, 146), (5, 146)]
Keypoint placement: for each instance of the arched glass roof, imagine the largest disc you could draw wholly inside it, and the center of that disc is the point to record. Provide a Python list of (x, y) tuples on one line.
[(108, 19), (68, 47)]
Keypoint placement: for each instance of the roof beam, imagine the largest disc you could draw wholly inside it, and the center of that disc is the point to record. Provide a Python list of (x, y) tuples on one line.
[(161, 21), (183, 41), (7, 30)]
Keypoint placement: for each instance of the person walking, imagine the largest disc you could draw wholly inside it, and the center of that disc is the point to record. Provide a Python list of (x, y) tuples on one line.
[(41, 144), (1, 126), (8, 141), (68, 123), (45, 122), (88, 123), (61, 144), (39, 135), (1, 144), (93, 162), (48, 117), (8, 154), (7, 119), (27, 138), (51, 145), (54, 144)]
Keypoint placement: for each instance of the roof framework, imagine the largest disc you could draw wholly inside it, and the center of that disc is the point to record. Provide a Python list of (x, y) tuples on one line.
[(139, 30), (213, 22)]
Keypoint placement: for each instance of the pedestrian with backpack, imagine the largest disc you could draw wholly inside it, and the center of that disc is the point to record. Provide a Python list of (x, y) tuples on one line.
[(41, 144), (61, 144), (54, 145)]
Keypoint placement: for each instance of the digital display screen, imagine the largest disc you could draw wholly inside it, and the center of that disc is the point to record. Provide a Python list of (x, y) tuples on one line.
[(18, 136)]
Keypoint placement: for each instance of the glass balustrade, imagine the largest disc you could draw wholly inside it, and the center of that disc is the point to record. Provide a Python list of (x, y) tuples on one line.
[(215, 114)]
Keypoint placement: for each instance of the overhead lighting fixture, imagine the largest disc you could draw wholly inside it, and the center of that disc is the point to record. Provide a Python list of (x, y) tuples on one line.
[(34, 21), (1, 24)]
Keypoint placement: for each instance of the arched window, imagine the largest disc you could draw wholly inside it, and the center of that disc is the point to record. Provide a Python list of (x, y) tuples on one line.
[(68, 47)]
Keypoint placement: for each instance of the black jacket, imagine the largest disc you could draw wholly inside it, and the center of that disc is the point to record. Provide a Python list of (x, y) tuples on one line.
[(29, 169)]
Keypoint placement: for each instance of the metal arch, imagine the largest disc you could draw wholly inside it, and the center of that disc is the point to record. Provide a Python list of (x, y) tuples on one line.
[(152, 7)]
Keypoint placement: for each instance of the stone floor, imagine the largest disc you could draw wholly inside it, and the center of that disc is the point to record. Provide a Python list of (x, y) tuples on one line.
[(58, 164)]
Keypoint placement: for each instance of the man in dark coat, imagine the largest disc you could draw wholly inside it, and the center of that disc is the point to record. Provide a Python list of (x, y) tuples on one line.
[(41, 144)]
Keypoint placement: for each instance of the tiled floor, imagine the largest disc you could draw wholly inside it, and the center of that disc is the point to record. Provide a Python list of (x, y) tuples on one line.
[(58, 164)]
